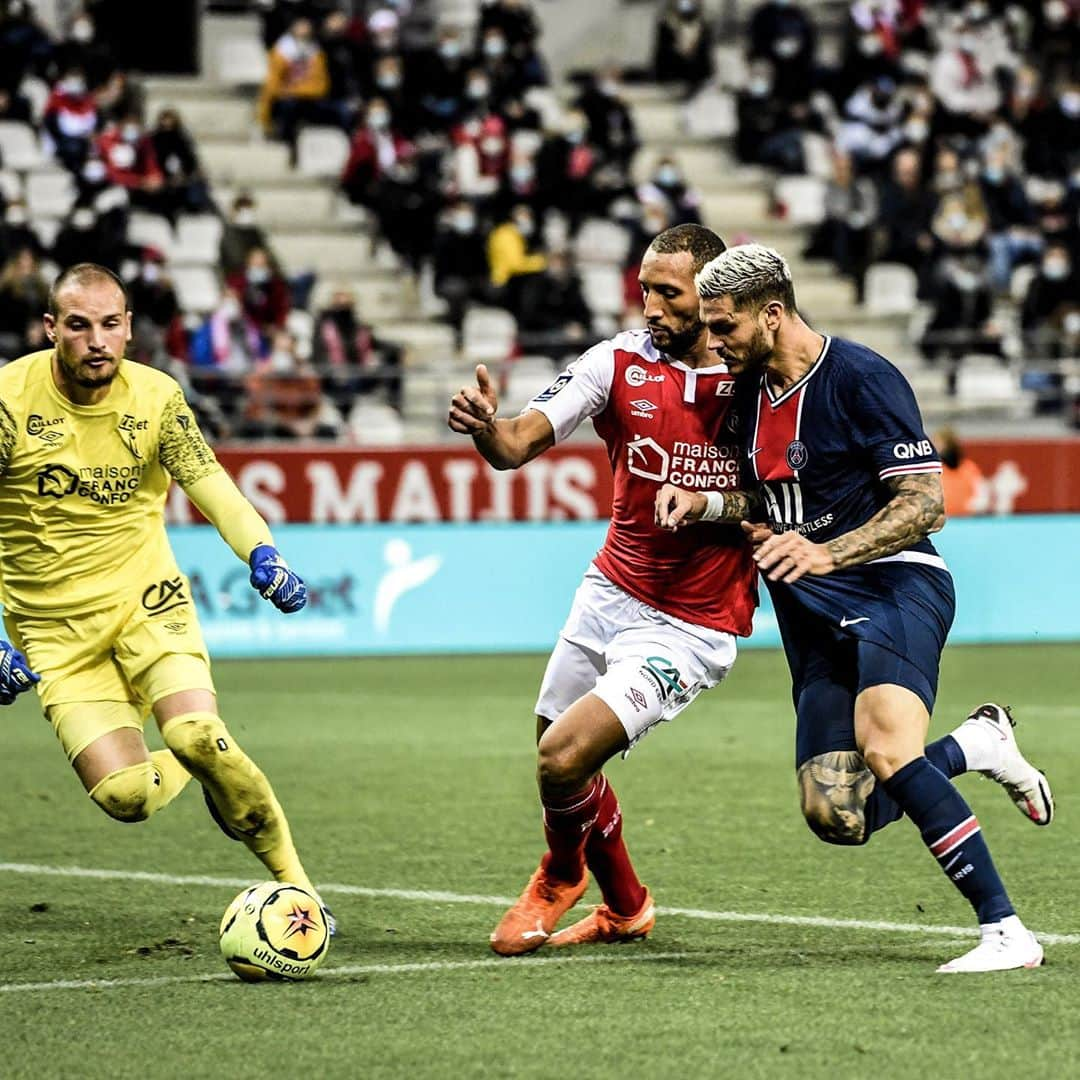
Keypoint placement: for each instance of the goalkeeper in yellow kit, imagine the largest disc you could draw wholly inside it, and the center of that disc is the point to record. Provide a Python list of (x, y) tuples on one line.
[(91, 591)]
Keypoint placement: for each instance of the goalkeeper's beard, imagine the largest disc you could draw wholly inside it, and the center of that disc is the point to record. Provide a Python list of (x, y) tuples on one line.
[(89, 379)]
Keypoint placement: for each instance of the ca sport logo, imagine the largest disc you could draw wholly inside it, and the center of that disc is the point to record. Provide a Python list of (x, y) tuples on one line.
[(165, 596)]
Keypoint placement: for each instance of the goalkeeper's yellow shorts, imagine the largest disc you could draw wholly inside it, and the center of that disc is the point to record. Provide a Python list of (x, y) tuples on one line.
[(135, 653)]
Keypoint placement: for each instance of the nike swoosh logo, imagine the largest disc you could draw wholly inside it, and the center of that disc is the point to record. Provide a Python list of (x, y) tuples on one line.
[(845, 621), (529, 934), (754, 453)]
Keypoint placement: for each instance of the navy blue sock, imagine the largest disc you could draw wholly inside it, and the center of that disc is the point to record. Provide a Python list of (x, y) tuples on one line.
[(951, 831), (881, 809)]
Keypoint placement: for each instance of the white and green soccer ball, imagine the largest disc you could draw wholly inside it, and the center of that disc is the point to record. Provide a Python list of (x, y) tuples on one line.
[(274, 931)]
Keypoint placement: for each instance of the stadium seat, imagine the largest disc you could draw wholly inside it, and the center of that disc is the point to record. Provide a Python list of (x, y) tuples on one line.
[(197, 240), (375, 424), (983, 380), (197, 287), (601, 241), (37, 92), (603, 288), (11, 185), (1020, 282), (526, 378), (322, 151), (710, 115), (47, 228), (802, 199), (891, 289), (19, 148), (488, 334), (241, 61), (149, 230), (49, 194), (301, 324)]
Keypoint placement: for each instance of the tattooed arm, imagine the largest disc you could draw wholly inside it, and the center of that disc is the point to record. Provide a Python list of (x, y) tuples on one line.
[(916, 509), (676, 507)]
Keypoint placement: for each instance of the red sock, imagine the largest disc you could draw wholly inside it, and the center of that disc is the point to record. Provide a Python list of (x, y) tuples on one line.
[(608, 858), (567, 821)]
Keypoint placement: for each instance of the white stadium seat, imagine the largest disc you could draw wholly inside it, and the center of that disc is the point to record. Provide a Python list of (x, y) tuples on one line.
[(603, 289), (37, 92), (375, 424), (803, 199), (488, 334), (600, 241), (149, 230), (197, 287), (19, 148), (891, 289), (710, 115), (241, 61), (49, 194), (198, 238), (11, 185), (526, 378), (322, 151)]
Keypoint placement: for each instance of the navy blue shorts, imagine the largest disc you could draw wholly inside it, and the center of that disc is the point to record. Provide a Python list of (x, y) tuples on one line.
[(884, 624)]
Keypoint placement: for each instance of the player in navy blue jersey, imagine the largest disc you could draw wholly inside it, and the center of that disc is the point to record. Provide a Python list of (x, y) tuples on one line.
[(850, 488)]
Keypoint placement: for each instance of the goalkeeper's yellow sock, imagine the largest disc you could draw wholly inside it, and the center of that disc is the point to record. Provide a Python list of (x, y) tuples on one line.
[(240, 792)]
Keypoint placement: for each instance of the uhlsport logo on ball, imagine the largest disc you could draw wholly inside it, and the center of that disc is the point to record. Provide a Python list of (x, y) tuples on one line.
[(274, 931)]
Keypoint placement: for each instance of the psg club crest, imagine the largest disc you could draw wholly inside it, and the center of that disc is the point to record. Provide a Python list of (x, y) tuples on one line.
[(797, 455)]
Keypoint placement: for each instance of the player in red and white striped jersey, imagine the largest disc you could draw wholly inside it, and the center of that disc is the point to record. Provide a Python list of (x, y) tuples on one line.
[(657, 615)]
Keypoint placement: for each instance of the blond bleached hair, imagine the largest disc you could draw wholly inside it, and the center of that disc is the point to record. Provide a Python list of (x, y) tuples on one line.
[(751, 274)]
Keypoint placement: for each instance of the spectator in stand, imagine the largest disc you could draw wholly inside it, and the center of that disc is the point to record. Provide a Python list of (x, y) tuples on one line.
[(907, 207), (760, 115), (1054, 135), (130, 163), (263, 291), (1051, 311), (460, 261), (154, 301), (782, 33), (871, 47), (566, 167), (340, 43), (351, 358), (24, 297), (284, 398), (481, 156), (521, 183), (512, 257), (611, 124), (383, 40), (872, 130), (121, 96), (407, 205), (83, 238), (14, 107), (17, 233), (554, 317), (186, 187), (1055, 39), (241, 234), (85, 50), (297, 85), (501, 75), (1012, 235), (25, 47), (851, 206), (376, 148), (682, 49), (279, 15), (388, 82), (520, 29), (962, 481), (440, 81), (229, 340), (520, 116), (668, 185), (71, 118)]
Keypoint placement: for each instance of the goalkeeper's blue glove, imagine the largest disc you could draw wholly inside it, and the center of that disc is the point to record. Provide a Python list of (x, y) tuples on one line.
[(271, 576), (15, 673)]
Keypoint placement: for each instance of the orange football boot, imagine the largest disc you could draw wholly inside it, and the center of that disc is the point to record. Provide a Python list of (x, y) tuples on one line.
[(603, 927), (537, 911)]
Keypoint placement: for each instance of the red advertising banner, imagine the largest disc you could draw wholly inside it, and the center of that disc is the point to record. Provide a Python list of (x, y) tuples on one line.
[(570, 482)]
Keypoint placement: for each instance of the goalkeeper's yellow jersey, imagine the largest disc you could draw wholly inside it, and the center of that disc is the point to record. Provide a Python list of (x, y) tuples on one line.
[(82, 487)]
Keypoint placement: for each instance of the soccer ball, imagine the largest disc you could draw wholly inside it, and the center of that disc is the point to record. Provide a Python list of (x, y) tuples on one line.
[(274, 931)]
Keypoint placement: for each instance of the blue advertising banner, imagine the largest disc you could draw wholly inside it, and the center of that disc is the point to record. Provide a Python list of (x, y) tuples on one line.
[(507, 588)]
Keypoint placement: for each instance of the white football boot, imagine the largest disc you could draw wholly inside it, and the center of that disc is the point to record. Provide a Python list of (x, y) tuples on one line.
[(1004, 946), (989, 745)]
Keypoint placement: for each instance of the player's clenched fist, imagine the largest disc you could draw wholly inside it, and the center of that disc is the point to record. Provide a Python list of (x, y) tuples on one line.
[(675, 507), (275, 581), (15, 673), (472, 408)]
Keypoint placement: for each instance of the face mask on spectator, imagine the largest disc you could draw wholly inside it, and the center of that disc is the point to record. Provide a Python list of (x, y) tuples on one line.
[(151, 273), (522, 174), (492, 145), (916, 131), (230, 308), (1055, 269), (608, 87), (94, 172), (957, 221), (870, 45), (450, 49), (463, 221), (786, 47), (477, 89), (668, 176), (82, 31), (83, 219), (687, 8), (1070, 102), (494, 46), (379, 119), (16, 215), (245, 216), (74, 84), (258, 275), (1056, 12), (994, 174), (525, 224), (759, 86), (977, 12), (963, 278), (129, 132), (575, 135), (388, 80)]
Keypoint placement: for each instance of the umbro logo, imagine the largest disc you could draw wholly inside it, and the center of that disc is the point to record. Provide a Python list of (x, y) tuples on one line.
[(643, 408)]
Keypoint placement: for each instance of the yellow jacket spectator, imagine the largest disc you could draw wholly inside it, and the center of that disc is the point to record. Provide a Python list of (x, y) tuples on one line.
[(508, 249), (298, 71)]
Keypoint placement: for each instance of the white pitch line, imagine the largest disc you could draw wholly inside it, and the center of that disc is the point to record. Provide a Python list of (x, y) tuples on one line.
[(344, 970), (438, 897)]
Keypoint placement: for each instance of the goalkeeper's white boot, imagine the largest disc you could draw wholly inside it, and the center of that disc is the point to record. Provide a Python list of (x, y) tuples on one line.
[(1005, 945), (989, 745)]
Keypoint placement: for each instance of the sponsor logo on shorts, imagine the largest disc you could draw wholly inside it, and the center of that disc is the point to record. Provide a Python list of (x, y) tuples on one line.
[(637, 699), (638, 376), (48, 431), (668, 679), (164, 596)]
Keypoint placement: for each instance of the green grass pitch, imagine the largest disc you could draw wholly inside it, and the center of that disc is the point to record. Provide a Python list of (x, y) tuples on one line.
[(415, 777)]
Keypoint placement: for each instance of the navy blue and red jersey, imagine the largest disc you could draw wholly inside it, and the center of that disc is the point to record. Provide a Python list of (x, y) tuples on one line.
[(823, 449)]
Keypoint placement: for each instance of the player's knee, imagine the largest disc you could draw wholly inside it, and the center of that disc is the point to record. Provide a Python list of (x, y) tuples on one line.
[(125, 794), (559, 764), (833, 789), (197, 740)]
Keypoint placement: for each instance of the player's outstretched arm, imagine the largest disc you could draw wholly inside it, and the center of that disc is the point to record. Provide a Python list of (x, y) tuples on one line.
[(504, 444), (15, 674), (676, 507)]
